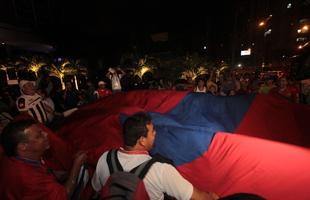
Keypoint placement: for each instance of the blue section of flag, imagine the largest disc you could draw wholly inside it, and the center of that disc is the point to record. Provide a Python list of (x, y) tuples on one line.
[(185, 133)]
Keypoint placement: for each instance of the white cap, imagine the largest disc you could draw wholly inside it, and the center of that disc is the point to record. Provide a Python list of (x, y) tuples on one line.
[(101, 83), (24, 82)]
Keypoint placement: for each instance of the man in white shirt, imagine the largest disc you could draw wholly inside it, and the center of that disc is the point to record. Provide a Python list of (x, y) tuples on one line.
[(115, 78), (31, 102), (139, 136)]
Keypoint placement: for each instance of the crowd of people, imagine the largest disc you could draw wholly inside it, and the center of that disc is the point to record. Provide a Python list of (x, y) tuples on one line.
[(25, 141), (230, 85), (48, 103)]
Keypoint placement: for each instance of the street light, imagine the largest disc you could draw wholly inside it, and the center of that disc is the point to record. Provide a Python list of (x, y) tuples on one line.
[(302, 46), (267, 32), (263, 24), (305, 28)]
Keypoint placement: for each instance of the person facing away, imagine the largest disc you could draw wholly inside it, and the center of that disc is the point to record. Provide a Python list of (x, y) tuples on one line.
[(139, 135), (70, 96), (90, 89), (23, 172), (115, 78)]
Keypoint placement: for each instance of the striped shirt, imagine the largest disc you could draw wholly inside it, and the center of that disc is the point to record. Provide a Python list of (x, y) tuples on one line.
[(33, 105)]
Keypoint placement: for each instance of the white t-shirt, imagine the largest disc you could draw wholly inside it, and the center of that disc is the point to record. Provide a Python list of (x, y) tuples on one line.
[(48, 101), (116, 81), (161, 177), (204, 90)]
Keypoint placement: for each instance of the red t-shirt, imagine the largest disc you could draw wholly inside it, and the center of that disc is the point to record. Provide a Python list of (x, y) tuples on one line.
[(291, 93), (103, 92), (31, 180)]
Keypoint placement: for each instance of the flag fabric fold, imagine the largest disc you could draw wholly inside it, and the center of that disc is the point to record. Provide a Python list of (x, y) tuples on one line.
[(248, 143)]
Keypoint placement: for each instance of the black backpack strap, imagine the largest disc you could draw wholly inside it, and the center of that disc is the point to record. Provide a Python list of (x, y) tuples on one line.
[(113, 162), (163, 159), (142, 169), (79, 186)]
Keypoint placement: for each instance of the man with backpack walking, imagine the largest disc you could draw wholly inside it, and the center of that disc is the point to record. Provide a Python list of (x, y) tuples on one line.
[(118, 171)]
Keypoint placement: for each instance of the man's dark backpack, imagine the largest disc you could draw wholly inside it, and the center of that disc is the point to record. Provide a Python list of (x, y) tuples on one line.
[(125, 185)]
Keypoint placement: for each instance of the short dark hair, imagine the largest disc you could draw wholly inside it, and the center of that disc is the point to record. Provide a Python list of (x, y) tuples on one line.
[(134, 127), (242, 196), (13, 134)]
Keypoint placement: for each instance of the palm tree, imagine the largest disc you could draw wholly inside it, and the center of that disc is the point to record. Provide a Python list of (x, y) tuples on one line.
[(196, 65)]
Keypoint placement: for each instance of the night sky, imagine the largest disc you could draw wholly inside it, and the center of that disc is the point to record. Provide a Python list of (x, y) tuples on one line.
[(112, 27), (102, 28)]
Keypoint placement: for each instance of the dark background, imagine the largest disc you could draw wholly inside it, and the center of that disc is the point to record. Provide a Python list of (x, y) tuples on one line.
[(106, 29)]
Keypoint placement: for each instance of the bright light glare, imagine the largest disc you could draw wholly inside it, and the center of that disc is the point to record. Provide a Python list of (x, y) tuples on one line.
[(261, 23), (305, 28), (144, 69)]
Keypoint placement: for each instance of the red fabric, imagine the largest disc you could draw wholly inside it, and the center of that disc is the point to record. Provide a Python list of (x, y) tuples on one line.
[(236, 163), (104, 92), (1, 153), (141, 193), (105, 189), (23, 116), (99, 122), (20, 180), (60, 157), (275, 118), (60, 154), (290, 92)]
